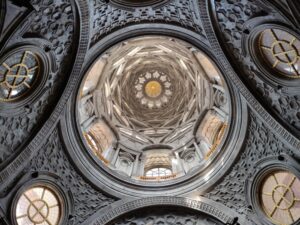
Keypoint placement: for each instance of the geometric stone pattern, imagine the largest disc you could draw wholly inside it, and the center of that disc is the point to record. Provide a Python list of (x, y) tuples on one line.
[(173, 203), (178, 102), (54, 23), (232, 18), (52, 159), (107, 18), (165, 217), (261, 142)]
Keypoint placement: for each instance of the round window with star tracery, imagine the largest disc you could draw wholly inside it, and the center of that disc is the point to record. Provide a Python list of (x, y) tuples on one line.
[(280, 197), (18, 74), (281, 51), (39, 205)]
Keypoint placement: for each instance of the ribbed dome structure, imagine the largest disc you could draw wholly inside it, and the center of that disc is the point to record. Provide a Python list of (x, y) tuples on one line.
[(154, 92)]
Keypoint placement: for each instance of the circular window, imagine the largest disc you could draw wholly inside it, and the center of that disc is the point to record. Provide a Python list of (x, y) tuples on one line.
[(18, 74), (153, 108), (39, 205), (280, 197), (281, 51)]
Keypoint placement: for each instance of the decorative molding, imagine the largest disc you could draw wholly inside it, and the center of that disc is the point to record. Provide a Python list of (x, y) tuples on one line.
[(203, 206), (130, 4)]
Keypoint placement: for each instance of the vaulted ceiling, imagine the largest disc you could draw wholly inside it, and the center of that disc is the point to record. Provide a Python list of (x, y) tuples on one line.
[(149, 112)]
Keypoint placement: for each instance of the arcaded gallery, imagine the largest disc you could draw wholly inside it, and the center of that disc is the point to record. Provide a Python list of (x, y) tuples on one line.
[(149, 112)]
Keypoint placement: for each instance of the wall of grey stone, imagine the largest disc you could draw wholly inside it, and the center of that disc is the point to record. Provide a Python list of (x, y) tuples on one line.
[(31, 143)]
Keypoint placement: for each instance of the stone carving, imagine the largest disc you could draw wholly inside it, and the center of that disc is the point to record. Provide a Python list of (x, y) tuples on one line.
[(204, 206), (51, 158), (132, 3), (165, 217), (107, 18), (232, 17), (261, 143), (53, 22)]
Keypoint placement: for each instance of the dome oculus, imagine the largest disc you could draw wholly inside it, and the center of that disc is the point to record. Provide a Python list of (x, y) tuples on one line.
[(153, 89), (152, 104)]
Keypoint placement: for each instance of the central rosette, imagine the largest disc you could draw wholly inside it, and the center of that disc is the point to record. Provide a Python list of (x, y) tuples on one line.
[(153, 89)]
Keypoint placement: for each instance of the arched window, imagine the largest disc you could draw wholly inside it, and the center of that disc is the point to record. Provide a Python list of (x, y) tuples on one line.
[(158, 172)]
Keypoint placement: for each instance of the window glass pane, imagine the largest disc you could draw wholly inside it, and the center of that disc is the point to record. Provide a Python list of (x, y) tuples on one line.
[(280, 197), (158, 172), (38, 205)]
